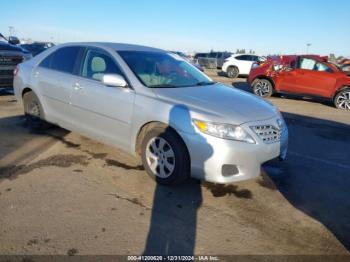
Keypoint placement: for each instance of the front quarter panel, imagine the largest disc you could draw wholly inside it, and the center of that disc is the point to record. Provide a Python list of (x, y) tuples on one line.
[(150, 109), (342, 82)]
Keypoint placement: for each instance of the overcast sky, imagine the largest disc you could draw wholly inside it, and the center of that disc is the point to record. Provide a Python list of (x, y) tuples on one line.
[(268, 27)]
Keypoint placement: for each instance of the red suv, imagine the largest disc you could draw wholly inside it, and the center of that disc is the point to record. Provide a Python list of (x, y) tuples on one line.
[(307, 75)]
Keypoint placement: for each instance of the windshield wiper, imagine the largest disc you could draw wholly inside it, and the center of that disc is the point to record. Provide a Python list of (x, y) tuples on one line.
[(204, 83), (162, 86)]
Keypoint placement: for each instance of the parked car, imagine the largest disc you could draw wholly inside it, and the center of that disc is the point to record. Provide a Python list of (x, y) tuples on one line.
[(220, 57), (307, 75), (149, 103), (200, 55), (212, 60), (37, 47), (240, 64), (193, 62), (10, 56), (345, 66)]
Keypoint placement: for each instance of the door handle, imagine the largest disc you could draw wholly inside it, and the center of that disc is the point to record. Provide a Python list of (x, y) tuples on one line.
[(77, 86), (36, 74)]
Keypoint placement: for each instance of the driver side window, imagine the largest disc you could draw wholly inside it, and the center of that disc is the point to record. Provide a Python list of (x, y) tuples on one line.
[(306, 63), (311, 64), (98, 63)]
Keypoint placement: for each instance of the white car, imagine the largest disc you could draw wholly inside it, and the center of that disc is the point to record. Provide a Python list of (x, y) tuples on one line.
[(239, 64)]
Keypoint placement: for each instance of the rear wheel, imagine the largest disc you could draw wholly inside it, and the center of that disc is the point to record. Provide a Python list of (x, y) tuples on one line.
[(164, 156), (342, 99), (232, 72), (33, 111), (262, 87)]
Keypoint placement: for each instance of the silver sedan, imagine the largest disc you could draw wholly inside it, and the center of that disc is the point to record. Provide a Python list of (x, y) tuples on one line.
[(153, 104)]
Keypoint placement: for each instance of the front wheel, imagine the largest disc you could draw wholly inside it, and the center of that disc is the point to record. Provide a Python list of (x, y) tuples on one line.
[(262, 87), (342, 99), (164, 156)]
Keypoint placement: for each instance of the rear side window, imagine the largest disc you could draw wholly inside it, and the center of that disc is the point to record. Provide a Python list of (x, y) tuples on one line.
[(46, 63), (243, 57), (63, 60)]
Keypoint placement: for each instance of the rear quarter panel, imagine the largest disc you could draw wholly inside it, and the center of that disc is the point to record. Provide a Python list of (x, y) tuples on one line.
[(22, 80)]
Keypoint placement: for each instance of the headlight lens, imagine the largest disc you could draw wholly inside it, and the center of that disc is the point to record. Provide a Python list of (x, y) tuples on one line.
[(225, 131)]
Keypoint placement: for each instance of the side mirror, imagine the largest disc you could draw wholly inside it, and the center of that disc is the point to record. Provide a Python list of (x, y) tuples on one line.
[(114, 80), (13, 40)]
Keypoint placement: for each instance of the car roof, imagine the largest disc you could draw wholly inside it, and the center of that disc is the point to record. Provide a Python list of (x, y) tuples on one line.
[(115, 46)]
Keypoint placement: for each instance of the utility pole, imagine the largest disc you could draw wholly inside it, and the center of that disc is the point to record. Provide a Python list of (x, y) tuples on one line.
[(307, 47)]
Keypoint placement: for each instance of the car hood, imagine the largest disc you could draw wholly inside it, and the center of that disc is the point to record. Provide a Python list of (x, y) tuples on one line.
[(220, 103)]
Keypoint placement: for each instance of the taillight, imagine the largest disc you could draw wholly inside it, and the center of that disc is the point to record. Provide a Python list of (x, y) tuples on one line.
[(15, 71)]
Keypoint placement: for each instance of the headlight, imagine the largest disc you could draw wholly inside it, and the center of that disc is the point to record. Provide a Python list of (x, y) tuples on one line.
[(225, 131)]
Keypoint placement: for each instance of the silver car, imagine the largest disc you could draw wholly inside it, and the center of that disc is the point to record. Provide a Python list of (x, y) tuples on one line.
[(153, 104)]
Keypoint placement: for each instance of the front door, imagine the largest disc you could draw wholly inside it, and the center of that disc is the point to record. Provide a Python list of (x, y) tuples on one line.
[(101, 111), (313, 77)]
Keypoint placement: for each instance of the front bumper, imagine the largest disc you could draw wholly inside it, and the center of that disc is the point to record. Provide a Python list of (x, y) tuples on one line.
[(211, 157)]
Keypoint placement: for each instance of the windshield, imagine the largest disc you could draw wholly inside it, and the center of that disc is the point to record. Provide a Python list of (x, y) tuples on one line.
[(160, 69)]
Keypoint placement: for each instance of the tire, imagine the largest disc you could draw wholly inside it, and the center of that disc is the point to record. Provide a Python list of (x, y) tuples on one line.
[(157, 144), (262, 87), (34, 112), (232, 72), (342, 99)]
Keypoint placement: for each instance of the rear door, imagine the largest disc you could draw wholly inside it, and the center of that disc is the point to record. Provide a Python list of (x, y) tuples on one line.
[(245, 64), (54, 77), (101, 111)]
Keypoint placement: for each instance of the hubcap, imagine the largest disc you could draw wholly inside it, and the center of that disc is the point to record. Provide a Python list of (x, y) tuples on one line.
[(262, 88), (160, 157), (34, 109), (343, 100)]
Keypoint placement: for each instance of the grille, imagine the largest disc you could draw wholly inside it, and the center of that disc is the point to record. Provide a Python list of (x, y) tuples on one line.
[(10, 60), (268, 133), (6, 72)]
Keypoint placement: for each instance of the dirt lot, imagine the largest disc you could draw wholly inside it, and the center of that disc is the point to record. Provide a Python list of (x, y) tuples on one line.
[(61, 193)]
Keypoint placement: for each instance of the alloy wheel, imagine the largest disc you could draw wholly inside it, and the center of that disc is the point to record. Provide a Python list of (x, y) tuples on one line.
[(232, 72), (262, 88), (343, 100), (160, 157)]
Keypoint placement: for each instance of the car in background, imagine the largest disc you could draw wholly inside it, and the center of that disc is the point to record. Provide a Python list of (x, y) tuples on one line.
[(305, 75), (212, 60), (200, 55), (240, 64), (345, 65), (155, 105), (191, 61), (10, 56), (37, 47), (220, 57)]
